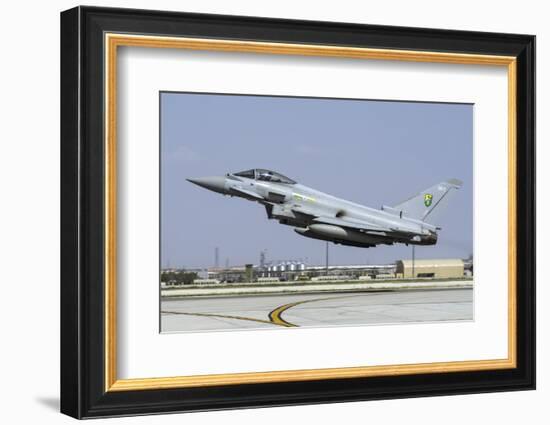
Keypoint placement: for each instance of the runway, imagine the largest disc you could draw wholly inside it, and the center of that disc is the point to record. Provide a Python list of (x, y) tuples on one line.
[(315, 310)]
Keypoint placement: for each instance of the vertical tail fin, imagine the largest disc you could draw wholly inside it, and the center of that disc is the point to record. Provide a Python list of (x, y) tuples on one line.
[(422, 205)]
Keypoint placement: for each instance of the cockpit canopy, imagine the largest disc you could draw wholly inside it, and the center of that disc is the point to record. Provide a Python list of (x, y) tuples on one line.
[(265, 175)]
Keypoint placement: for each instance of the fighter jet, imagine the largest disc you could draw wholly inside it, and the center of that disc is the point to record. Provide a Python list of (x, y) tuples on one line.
[(318, 215)]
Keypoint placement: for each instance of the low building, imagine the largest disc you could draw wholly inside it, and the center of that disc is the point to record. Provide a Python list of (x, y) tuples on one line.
[(437, 268), (206, 281), (268, 280), (331, 277), (384, 276)]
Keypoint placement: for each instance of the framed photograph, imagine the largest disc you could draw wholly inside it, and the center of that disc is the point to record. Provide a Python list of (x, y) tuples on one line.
[(261, 212)]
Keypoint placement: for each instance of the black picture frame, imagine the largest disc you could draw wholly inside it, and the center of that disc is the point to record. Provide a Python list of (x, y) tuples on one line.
[(83, 392)]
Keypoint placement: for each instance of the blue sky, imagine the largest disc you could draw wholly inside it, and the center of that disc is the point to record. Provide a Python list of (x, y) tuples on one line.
[(370, 152)]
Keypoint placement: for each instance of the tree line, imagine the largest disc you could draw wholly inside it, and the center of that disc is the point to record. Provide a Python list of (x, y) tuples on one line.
[(180, 277)]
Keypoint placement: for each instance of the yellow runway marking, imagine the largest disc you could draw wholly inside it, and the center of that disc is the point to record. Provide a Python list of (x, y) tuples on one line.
[(275, 315), (222, 316)]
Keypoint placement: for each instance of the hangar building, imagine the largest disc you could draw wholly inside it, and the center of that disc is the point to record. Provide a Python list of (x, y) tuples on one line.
[(440, 268)]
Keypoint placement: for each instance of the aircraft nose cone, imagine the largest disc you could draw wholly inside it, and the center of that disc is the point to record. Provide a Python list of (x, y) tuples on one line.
[(214, 183)]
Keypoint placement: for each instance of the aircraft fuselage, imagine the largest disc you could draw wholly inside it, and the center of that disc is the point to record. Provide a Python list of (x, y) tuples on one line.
[(319, 215)]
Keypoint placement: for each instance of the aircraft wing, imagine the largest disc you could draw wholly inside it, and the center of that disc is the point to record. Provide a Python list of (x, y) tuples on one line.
[(360, 225), (352, 224)]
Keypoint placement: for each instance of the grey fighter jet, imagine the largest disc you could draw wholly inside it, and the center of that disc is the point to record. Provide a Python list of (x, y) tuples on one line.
[(318, 215)]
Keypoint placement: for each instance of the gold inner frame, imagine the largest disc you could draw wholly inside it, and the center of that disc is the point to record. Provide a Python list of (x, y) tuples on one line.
[(113, 41)]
